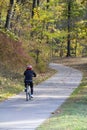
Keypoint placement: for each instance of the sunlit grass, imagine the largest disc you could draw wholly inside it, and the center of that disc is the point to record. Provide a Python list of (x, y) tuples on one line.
[(11, 85), (72, 116)]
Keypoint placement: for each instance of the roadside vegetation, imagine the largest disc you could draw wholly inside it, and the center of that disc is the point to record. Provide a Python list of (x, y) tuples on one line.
[(72, 115), (13, 61), (13, 83)]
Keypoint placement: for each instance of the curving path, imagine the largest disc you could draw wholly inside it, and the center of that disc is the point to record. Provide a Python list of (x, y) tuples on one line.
[(17, 114)]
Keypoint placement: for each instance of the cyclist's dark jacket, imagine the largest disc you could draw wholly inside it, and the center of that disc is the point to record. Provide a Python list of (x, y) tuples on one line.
[(29, 74)]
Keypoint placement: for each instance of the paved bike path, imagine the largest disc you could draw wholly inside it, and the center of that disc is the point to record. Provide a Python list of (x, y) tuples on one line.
[(17, 114)]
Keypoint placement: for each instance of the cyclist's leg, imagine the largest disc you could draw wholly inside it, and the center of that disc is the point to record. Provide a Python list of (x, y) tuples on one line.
[(25, 86), (31, 86)]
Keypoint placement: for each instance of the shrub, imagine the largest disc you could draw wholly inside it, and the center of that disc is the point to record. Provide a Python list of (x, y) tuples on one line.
[(42, 66)]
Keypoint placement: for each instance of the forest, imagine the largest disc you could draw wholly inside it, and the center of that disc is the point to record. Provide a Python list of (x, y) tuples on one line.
[(39, 32), (47, 28)]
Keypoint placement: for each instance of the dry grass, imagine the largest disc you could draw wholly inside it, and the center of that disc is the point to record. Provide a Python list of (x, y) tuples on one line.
[(12, 53)]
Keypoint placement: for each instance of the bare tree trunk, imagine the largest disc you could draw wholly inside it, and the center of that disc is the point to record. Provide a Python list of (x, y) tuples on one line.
[(9, 14), (48, 2), (0, 18), (69, 29), (38, 2)]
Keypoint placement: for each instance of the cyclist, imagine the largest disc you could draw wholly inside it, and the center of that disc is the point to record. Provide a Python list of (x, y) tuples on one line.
[(29, 74)]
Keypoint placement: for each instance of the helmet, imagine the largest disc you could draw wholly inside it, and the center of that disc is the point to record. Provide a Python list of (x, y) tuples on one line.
[(29, 67)]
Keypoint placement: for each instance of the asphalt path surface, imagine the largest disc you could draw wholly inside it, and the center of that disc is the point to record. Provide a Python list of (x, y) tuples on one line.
[(18, 114)]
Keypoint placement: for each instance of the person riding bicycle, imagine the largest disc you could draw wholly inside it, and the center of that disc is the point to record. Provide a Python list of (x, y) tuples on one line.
[(29, 74)]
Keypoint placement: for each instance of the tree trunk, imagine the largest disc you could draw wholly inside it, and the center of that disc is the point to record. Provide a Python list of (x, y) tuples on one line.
[(38, 2), (47, 3), (0, 18), (9, 14), (33, 6), (69, 29)]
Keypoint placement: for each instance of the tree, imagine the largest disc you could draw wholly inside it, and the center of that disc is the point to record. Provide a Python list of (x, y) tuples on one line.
[(69, 28), (60, 21), (48, 3), (9, 14), (33, 6), (38, 2)]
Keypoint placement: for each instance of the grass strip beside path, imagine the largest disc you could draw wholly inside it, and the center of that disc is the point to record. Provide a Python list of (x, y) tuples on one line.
[(13, 83), (72, 115)]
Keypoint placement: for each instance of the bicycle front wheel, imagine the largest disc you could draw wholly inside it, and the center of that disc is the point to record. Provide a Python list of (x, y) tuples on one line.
[(27, 96)]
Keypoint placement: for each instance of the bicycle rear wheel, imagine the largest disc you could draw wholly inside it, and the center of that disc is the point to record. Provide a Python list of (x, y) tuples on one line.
[(28, 95)]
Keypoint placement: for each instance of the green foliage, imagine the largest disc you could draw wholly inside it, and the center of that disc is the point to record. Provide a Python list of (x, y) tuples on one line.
[(41, 66), (44, 53), (51, 27), (9, 34), (48, 25)]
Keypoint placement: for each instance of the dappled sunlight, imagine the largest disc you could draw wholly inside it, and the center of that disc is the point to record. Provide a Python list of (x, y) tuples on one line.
[(48, 96), (20, 123)]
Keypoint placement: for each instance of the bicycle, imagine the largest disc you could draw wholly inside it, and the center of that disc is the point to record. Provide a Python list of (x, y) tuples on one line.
[(28, 95)]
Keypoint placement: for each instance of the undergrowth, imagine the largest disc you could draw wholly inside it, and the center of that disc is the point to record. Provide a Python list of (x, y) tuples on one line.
[(12, 83), (14, 58)]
